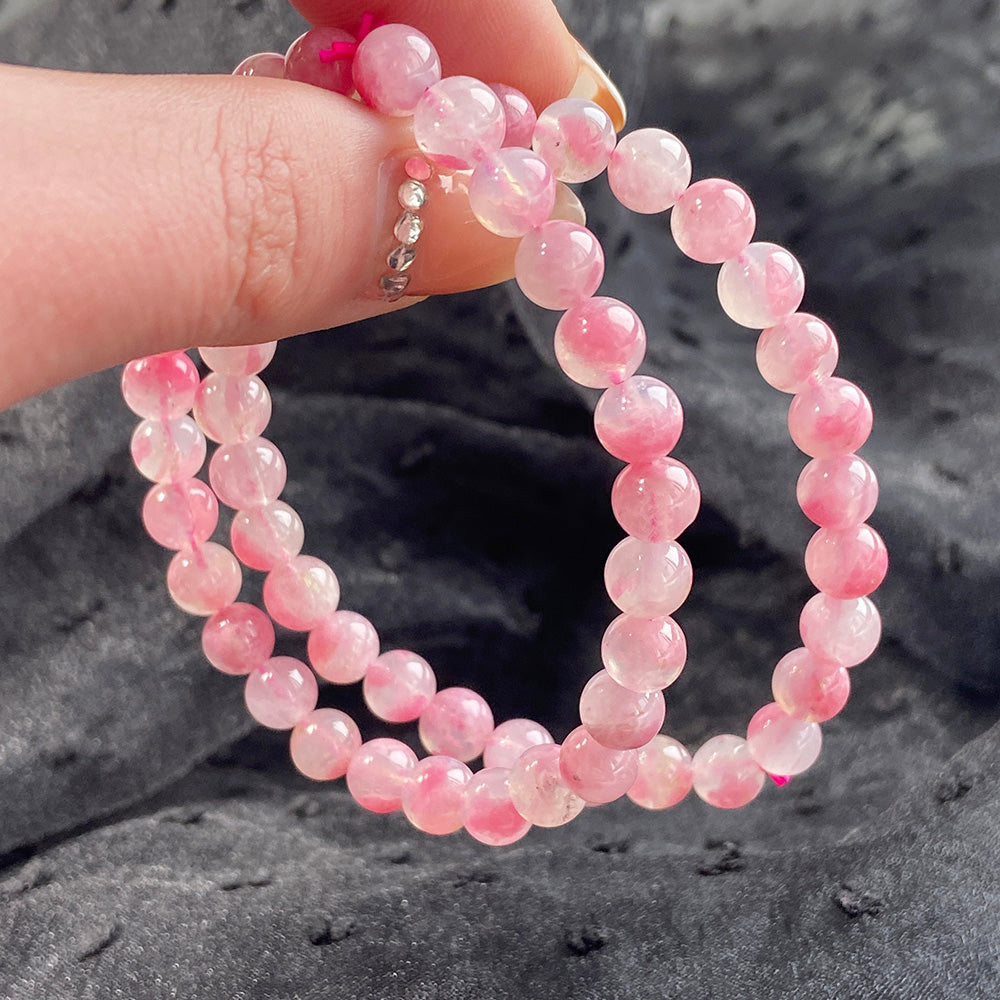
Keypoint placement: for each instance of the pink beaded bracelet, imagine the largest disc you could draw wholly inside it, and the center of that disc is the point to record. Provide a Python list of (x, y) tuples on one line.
[(518, 163)]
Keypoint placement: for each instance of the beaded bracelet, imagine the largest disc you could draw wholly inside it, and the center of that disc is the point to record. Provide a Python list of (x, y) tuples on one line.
[(519, 163)]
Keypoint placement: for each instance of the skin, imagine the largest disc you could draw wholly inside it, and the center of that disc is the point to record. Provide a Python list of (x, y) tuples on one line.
[(166, 212)]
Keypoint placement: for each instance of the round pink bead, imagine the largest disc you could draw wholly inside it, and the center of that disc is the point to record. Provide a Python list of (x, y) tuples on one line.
[(458, 122), (180, 515), (593, 771), (761, 285), (519, 115), (304, 64), (512, 191), (780, 744), (399, 685), (644, 654), (323, 743), (510, 739), (664, 776), (639, 420), (231, 408), (239, 360), (378, 772), (830, 417), (648, 579), (559, 264), (618, 718), (237, 639), (267, 535), (417, 168), (848, 563), (434, 794), (168, 452), (247, 474), (844, 631), (393, 67), (713, 221), (600, 342), (809, 688), (837, 492), (281, 692), (724, 774), (488, 814), (656, 501), (202, 581), (457, 723), (270, 64), (342, 647), (576, 137), (301, 593), (160, 387), (795, 350), (649, 170), (538, 791)]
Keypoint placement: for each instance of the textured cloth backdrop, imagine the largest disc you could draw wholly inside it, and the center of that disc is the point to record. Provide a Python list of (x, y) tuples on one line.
[(156, 844)]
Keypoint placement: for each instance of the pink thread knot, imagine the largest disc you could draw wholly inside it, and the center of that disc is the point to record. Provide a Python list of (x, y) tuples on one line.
[(347, 50), (780, 779)]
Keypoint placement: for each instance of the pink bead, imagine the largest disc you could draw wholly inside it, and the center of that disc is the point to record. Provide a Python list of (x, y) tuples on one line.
[(160, 387), (559, 264), (237, 639), (202, 581), (648, 579), (267, 535), (809, 688), (239, 360), (795, 350), (378, 772), (847, 632), (713, 221), (247, 474), (575, 137), (323, 743), (837, 492), (393, 67), (618, 718), (230, 408), (281, 692), (639, 420), (304, 64), (458, 122), (644, 654), (301, 593), (434, 794), (269, 64), (342, 647), (519, 115), (600, 342), (830, 417), (538, 791), (656, 501), (180, 515), (457, 723), (168, 452), (593, 771), (761, 286), (649, 170), (847, 563), (665, 774), (510, 739), (488, 814), (512, 191), (724, 774), (399, 685), (417, 168), (780, 744)]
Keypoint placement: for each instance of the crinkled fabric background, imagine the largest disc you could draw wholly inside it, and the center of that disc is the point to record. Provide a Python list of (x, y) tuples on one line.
[(158, 845)]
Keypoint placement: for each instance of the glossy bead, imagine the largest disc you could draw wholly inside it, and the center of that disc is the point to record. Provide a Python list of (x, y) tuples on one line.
[(559, 264), (665, 773), (644, 654), (618, 718), (247, 474), (434, 794), (267, 535), (519, 115), (269, 64), (230, 408), (847, 563), (488, 814), (457, 723), (202, 581), (595, 772), (399, 685), (837, 492), (537, 788), (458, 122), (648, 579), (639, 420), (600, 342), (809, 688), (304, 64), (575, 137), (780, 744), (512, 191), (180, 515), (724, 774), (418, 169), (378, 772), (168, 452), (280, 693), (323, 743), (237, 639), (342, 647), (656, 501), (160, 387), (649, 170), (239, 361), (393, 67), (798, 348), (762, 285), (845, 631), (510, 739), (713, 221), (301, 593), (830, 417)]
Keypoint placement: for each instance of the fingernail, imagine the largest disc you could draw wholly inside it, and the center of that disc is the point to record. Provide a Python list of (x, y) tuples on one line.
[(595, 85)]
